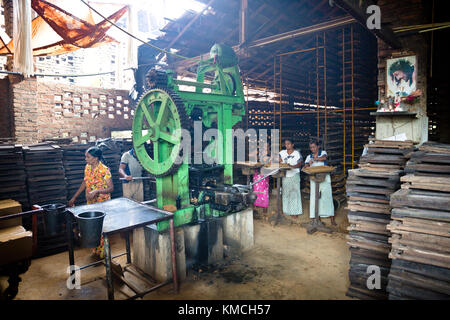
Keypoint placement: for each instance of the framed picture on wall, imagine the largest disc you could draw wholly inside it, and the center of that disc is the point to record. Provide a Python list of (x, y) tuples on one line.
[(401, 77)]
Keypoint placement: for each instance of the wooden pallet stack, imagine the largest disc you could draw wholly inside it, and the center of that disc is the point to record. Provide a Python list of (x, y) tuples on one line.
[(369, 189), (421, 227), (13, 183)]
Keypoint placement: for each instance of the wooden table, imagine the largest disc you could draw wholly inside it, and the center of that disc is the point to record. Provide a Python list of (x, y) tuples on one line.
[(122, 215), (316, 224)]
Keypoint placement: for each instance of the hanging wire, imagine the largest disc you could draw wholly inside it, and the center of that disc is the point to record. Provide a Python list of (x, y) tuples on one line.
[(134, 37)]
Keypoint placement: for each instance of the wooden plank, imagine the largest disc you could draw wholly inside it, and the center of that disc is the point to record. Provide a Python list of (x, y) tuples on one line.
[(437, 225), (356, 216), (419, 245), (405, 198), (421, 213), (375, 174), (435, 147), (365, 208), (369, 236), (387, 183), (420, 237), (427, 186), (369, 261), (366, 226), (406, 291), (368, 254), (377, 244), (379, 167), (370, 204), (420, 255), (429, 167), (430, 271), (364, 245), (425, 179), (433, 230), (365, 294), (361, 198), (383, 159), (371, 190), (437, 158)]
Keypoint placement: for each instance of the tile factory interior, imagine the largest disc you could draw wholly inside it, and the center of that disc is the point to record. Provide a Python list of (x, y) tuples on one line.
[(224, 150)]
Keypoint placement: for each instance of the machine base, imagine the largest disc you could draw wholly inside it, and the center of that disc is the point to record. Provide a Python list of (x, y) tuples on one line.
[(200, 243), (238, 230), (152, 254), (204, 242)]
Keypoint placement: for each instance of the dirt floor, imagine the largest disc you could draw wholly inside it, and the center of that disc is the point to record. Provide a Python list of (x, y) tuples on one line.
[(285, 263)]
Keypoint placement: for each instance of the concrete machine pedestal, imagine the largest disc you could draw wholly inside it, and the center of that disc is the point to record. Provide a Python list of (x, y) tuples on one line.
[(200, 243)]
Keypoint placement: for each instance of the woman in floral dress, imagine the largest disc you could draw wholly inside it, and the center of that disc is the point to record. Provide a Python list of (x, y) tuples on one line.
[(97, 184)]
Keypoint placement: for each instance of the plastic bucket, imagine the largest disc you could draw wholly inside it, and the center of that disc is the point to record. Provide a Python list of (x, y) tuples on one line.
[(90, 224), (54, 218)]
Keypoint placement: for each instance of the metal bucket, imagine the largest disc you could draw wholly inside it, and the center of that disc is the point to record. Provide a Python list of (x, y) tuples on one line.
[(54, 218), (91, 226)]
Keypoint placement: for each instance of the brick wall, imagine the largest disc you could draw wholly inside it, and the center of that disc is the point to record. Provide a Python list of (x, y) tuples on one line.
[(48, 110)]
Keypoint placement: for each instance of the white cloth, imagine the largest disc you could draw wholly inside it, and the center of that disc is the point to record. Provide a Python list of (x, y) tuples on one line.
[(292, 159), (316, 163), (23, 51)]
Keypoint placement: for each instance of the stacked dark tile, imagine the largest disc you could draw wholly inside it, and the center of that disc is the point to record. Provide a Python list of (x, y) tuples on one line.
[(74, 163), (369, 189), (13, 177), (420, 227), (45, 174), (46, 185)]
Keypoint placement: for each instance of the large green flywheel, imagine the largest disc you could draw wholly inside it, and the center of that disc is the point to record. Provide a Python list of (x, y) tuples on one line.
[(159, 117)]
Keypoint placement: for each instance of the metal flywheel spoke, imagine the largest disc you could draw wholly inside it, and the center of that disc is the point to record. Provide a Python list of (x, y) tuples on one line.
[(148, 116), (162, 108), (156, 151), (142, 140), (168, 137)]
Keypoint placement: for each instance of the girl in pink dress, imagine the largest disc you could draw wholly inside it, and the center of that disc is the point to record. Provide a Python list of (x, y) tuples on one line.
[(262, 187)]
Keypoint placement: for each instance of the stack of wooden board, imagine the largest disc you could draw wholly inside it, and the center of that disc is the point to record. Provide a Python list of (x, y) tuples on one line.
[(421, 227), (369, 189), (45, 174), (74, 163), (46, 185), (385, 155), (12, 175)]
